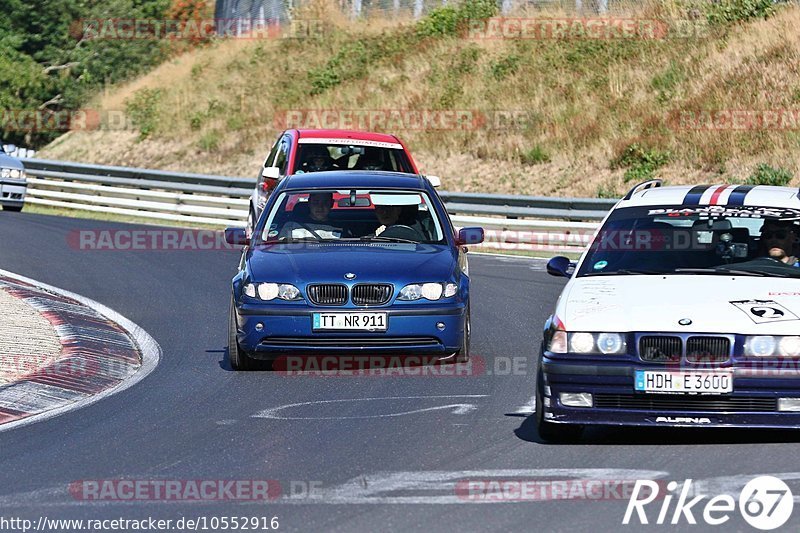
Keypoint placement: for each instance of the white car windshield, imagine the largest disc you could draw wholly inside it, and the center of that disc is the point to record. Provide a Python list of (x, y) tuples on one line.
[(742, 240)]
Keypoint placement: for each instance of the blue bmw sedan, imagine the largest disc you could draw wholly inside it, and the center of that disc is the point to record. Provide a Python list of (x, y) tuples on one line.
[(347, 263)]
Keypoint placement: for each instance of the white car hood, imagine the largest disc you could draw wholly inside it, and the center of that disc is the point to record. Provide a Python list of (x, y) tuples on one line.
[(714, 304)]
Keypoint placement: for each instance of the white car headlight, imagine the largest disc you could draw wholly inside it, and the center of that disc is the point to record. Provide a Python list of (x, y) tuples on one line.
[(429, 291), (270, 291), (583, 343), (772, 346), (760, 345), (610, 343), (789, 346)]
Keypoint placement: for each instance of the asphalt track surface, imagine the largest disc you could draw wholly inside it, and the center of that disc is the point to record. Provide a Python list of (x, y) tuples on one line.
[(382, 447)]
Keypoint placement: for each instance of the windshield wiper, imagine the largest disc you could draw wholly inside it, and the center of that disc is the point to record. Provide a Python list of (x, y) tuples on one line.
[(722, 271), (626, 272), (388, 239)]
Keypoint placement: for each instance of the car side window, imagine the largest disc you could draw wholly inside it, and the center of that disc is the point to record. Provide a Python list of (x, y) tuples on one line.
[(269, 159), (282, 158)]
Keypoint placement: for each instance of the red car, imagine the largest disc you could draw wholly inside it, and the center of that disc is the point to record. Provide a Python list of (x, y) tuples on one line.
[(301, 151)]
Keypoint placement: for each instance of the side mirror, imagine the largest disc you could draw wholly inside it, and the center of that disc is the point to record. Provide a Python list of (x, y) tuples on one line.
[(559, 266), (236, 236), (436, 181), (469, 236), (272, 173)]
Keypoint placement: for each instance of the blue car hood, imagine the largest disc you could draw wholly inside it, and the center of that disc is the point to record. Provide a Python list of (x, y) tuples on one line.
[(370, 262)]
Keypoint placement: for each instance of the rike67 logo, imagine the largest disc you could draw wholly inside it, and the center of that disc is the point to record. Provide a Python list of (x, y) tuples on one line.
[(765, 503)]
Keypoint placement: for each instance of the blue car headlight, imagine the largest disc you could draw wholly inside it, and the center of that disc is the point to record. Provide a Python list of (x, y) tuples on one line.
[(271, 291), (429, 291)]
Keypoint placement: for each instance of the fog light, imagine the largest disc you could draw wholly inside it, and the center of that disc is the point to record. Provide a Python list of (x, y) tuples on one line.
[(259, 326), (788, 404), (575, 399), (440, 326)]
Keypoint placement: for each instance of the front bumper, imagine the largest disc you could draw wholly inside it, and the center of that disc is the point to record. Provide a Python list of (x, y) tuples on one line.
[(753, 402), (288, 330), (12, 192)]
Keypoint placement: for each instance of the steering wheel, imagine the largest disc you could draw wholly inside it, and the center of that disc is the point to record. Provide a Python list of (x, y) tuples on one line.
[(311, 231), (405, 232)]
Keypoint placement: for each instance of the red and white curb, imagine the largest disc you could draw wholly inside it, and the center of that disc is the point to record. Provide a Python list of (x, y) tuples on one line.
[(103, 353)]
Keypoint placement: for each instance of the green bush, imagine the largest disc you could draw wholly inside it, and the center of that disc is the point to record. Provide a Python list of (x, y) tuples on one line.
[(767, 175), (641, 163), (450, 20), (535, 156), (730, 11), (143, 110), (502, 68)]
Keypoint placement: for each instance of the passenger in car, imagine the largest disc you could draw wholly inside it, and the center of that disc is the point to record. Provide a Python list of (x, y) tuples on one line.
[(778, 238), (399, 216)]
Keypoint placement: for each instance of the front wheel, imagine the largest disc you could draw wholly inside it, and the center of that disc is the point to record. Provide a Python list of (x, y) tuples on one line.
[(239, 358), (462, 356), (13, 208), (547, 430)]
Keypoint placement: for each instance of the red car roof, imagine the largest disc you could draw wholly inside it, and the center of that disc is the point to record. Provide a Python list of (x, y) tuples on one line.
[(348, 134)]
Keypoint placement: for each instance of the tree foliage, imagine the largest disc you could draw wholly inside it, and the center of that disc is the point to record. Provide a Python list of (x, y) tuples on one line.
[(50, 62)]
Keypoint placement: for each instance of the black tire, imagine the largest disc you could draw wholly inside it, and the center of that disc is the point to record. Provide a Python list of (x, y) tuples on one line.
[(556, 433), (13, 208), (238, 358), (462, 356)]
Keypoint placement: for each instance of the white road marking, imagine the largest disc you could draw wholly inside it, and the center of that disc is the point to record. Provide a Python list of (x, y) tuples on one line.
[(151, 354), (439, 487), (457, 408)]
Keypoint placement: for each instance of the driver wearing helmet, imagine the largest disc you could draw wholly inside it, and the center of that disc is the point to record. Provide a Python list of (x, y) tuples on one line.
[(316, 158)]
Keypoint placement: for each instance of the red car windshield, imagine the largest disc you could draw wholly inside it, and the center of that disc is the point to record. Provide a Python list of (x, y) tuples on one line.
[(313, 157)]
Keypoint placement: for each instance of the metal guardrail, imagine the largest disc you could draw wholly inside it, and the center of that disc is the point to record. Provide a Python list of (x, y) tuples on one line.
[(530, 223)]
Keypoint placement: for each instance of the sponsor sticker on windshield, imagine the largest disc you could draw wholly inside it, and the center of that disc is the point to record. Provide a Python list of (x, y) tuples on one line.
[(744, 211)]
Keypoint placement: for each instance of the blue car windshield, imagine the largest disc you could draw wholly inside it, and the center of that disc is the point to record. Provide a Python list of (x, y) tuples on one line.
[(386, 215), (692, 239)]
